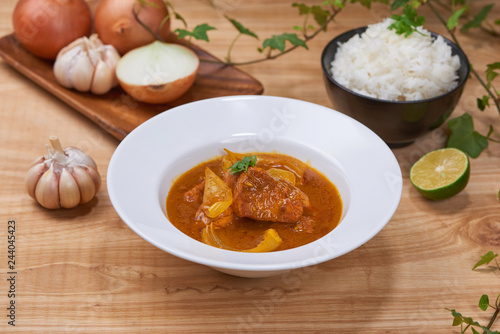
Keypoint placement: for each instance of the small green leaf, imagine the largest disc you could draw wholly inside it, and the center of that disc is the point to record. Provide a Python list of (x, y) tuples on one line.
[(298, 28), (320, 15), (278, 41), (303, 8), (490, 72), (457, 317), (408, 22), (474, 331), (499, 195), (478, 19), (243, 164), (339, 4), (464, 137), (398, 4), (180, 18), (199, 32), (486, 258), (483, 102), (453, 20), (241, 28), (457, 321), (484, 302)]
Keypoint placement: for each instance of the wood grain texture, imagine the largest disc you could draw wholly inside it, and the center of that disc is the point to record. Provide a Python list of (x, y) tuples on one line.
[(84, 271)]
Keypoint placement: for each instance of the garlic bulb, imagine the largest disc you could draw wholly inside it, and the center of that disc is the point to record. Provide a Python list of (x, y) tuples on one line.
[(86, 65), (63, 178)]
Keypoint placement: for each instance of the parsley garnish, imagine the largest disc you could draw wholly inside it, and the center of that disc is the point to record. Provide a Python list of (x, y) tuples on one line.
[(243, 164)]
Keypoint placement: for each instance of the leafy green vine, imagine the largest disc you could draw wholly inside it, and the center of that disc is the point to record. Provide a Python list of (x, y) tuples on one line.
[(484, 304)]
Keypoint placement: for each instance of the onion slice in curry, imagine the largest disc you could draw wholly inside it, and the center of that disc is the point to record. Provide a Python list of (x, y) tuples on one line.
[(217, 196)]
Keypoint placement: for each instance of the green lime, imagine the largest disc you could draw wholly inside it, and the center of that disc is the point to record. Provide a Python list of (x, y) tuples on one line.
[(441, 173)]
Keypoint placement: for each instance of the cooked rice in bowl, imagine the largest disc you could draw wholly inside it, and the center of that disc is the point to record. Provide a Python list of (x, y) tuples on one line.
[(382, 64)]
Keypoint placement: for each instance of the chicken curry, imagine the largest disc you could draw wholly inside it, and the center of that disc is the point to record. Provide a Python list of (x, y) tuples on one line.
[(258, 202)]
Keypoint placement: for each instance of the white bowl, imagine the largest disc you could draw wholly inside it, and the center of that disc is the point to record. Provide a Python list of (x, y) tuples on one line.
[(354, 158)]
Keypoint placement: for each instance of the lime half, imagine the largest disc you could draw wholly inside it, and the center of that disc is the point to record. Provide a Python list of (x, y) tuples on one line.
[(441, 173)]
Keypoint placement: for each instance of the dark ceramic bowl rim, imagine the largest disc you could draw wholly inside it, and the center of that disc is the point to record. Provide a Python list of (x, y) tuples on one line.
[(361, 30)]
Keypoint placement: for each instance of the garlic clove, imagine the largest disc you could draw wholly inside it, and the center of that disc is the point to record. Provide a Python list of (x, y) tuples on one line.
[(68, 190), (77, 156), (37, 161), (64, 64), (103, 78), (111, 57), (34, 174), (85, 183), (47, 190), (82, 73), (94, 174)]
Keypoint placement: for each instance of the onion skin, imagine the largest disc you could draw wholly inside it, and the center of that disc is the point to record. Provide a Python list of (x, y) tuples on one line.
[(158, 94), (44, 27), (115, 23)]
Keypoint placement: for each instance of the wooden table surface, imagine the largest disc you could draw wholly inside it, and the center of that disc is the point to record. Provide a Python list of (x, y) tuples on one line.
[(85, 271)]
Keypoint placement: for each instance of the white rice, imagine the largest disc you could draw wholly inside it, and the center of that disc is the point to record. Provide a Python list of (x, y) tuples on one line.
[(384, 65)]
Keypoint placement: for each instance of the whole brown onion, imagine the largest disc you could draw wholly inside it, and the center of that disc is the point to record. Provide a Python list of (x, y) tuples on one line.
[(116, 25), (44, 27)]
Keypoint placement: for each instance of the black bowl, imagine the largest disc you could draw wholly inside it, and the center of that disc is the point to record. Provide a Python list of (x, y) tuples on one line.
[(398, 123)]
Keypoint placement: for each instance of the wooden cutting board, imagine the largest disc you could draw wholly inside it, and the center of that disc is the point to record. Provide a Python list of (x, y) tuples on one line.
[(116, 112)]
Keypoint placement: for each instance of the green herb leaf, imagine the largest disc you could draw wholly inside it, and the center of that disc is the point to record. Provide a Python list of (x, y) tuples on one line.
[(320, 15), (499, 195), (408, 22), (398, 4), (478, 19), (464, 137), (453, 20), (278, 41), (180, 18), (484, 302), (243, 164), (303, 8), (483, 102), (199, 32), (486, 258), (459, 319), (339, 4), (241, 28), (491, 73)]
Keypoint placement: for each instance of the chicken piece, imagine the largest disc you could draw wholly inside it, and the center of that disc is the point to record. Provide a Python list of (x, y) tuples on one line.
[(195, 194), (259, 196), (305, 224)]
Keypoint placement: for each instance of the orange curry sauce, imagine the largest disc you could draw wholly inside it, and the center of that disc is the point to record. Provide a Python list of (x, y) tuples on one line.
[(324, 211)]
